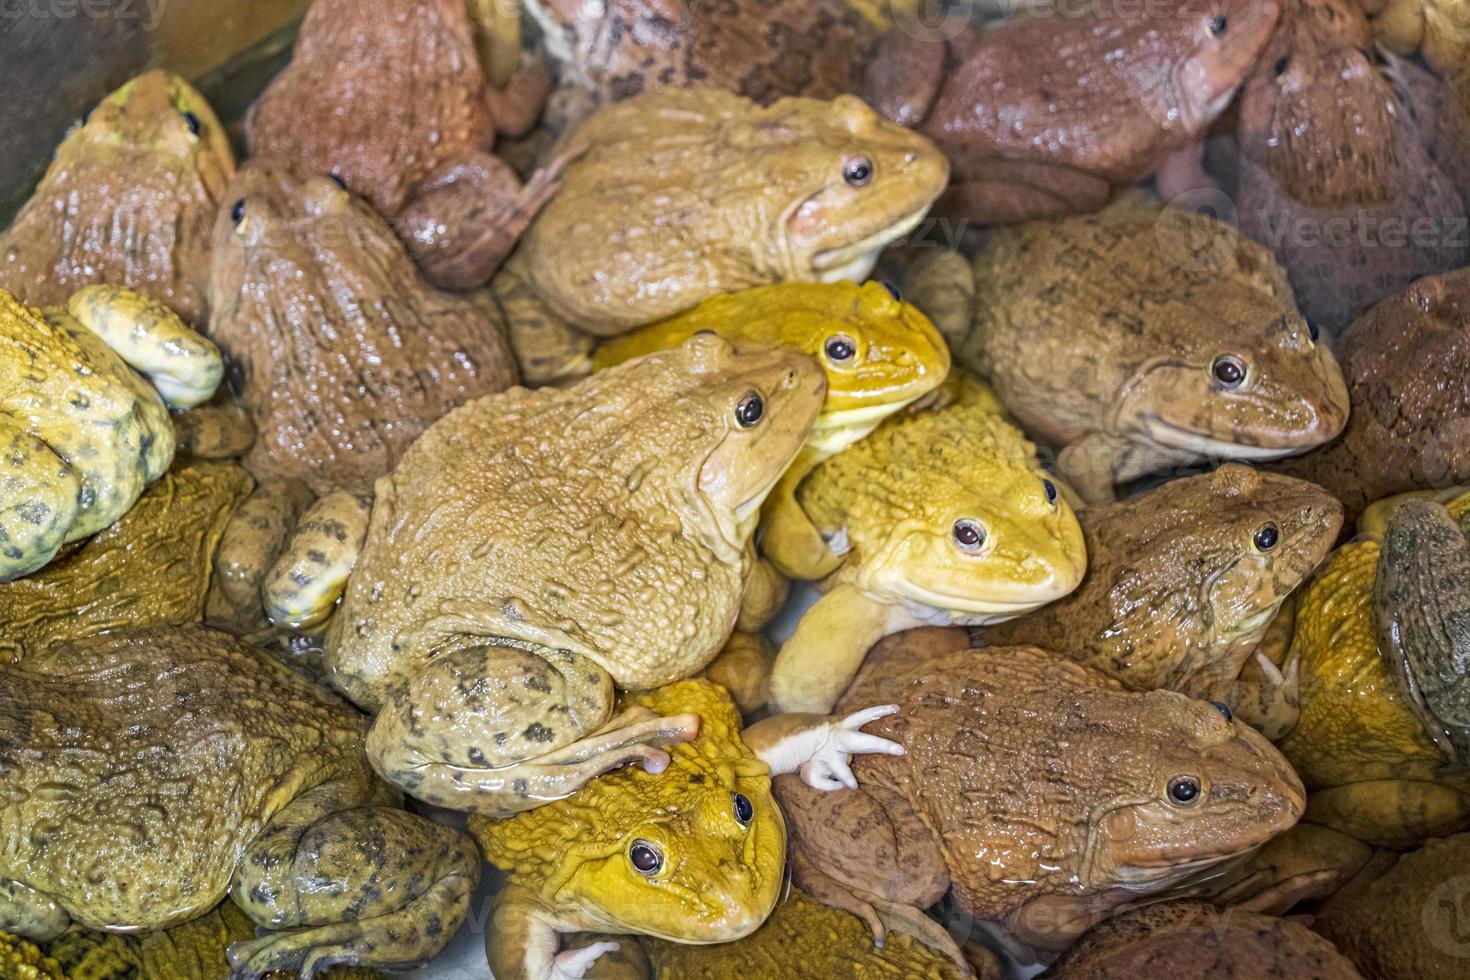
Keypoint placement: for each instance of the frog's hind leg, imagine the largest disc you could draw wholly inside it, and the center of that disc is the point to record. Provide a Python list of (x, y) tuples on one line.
[(512, 730), (337, 876), (789, 539), (38, 501), (30, 914)]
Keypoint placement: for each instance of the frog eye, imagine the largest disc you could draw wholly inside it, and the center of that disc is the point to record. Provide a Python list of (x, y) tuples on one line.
[(237, 212), (337, 179), (744, 810), (192, 121), (749, 410), (839, 348), (86, 114), (1312, 330), (1051, 491), (1265, 539), (1228, 370), (1279, 69), (1218, 25), (1223, 708), (646, 858), (1183, 790), (857, 171), (893, 291), (969, 535)]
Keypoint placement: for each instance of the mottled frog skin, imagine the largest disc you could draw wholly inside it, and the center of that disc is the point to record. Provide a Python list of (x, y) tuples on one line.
[(128, 200), (186, 760), (346, 354), (1182, 583), (1035, 790)]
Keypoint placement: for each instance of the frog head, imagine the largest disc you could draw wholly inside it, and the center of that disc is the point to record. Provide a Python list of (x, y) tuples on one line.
[(1223, 39), (695, 854)]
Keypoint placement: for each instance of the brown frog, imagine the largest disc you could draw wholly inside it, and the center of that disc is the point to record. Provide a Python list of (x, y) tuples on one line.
[(128, 201), (1182, 582), (390, 96), (1407, 363), (1036, 790), (346, 354), (1054, 110)]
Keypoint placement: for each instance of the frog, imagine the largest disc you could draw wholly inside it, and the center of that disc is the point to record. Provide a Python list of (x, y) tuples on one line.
[(1182, 583), (1398, 919), (880, 354), (189, 760), (538, 549), (652, 216), (345, 354), (1036, 792), (1198, 939), (88, 386), (391, 96), (1406, 362), (695, 854), (127, 200), (1296, 869), (939, 517), (1139, 340), (1379, 743), (1355, 206), (1053, 113)]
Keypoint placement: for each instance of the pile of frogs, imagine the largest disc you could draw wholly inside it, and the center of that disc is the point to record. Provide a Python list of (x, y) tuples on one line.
[(449, 435)]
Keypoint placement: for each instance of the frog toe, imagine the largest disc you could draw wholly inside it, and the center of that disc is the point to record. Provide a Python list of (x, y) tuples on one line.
[(183, 366)]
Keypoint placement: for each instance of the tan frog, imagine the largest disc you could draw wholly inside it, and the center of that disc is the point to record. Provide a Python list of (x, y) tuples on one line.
[(1182, 583), (939, 517), (171, 767), (1140, 340), (128, 200), (346, 354), (677, 195), (1036, 791)]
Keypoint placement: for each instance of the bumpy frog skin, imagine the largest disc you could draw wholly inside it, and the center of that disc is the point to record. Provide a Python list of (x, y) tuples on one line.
[(1182, 583), (1048, 115), (21, 960), (1362, 746), (346, 354), (1143, 339), (84, 434), (128, 200), (1141, 790), (937, 517), (534, 549), (192, 763), (390, 96), (693, 855), (678, 195)]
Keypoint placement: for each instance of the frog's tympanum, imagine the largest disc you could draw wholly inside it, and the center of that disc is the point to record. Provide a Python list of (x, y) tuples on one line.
[(83, 432), (145, 775), (938, 517), (1352, 203), (346, 354), (1407, 363), (1035, 789), (1051, 114), (1197, 939), (536, 549), (390, 96), (1182, 582), (696, 854), (1143, 339), (1403, 916), (129, 200), (678, 195)]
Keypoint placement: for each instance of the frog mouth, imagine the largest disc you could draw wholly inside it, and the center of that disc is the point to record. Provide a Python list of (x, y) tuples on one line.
[(937, 604), (852, 263), (1167, 435), (835, 431)]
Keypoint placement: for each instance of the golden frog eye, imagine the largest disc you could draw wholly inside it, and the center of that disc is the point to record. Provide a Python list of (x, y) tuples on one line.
[(858, 171), (744, 810), (645, 858), (749, 410), (969, 535), (192, 121), (839, 348)]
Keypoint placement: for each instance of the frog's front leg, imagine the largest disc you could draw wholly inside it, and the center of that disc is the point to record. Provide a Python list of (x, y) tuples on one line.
[(252, 541), (497, 730), (789, 539), (301, 589), (214, 431), (30, 914), (1270, 705), (339, 876), (821, 658), (549, 351), (819, 747), (185, 367), (38, 501), (523, 941)]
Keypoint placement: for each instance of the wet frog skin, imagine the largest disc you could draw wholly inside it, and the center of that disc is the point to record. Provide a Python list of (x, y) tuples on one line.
[(128, 200), (187, 760)]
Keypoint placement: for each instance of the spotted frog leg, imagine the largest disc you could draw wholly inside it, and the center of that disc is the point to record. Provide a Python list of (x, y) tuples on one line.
[(185, 367), (303, 585), (252, 542)]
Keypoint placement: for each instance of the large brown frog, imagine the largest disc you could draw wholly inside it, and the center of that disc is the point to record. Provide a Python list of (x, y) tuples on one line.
[(1407, 362), (1182, 583), (145, 775), (129, 200), (390, 96), (677, 195), (346, 354), (1054, 110), (1035, 789), (1140, 339)]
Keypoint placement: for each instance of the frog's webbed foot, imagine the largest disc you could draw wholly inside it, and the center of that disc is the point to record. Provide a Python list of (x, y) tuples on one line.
[(788, 538), (185, 367), (221, 430), (548, 349), (819, 661), (523, 941), (251, 543), (1271, 705), (302, 587), (819, 748), (340, 878), (30, 914), (1013, 191)]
